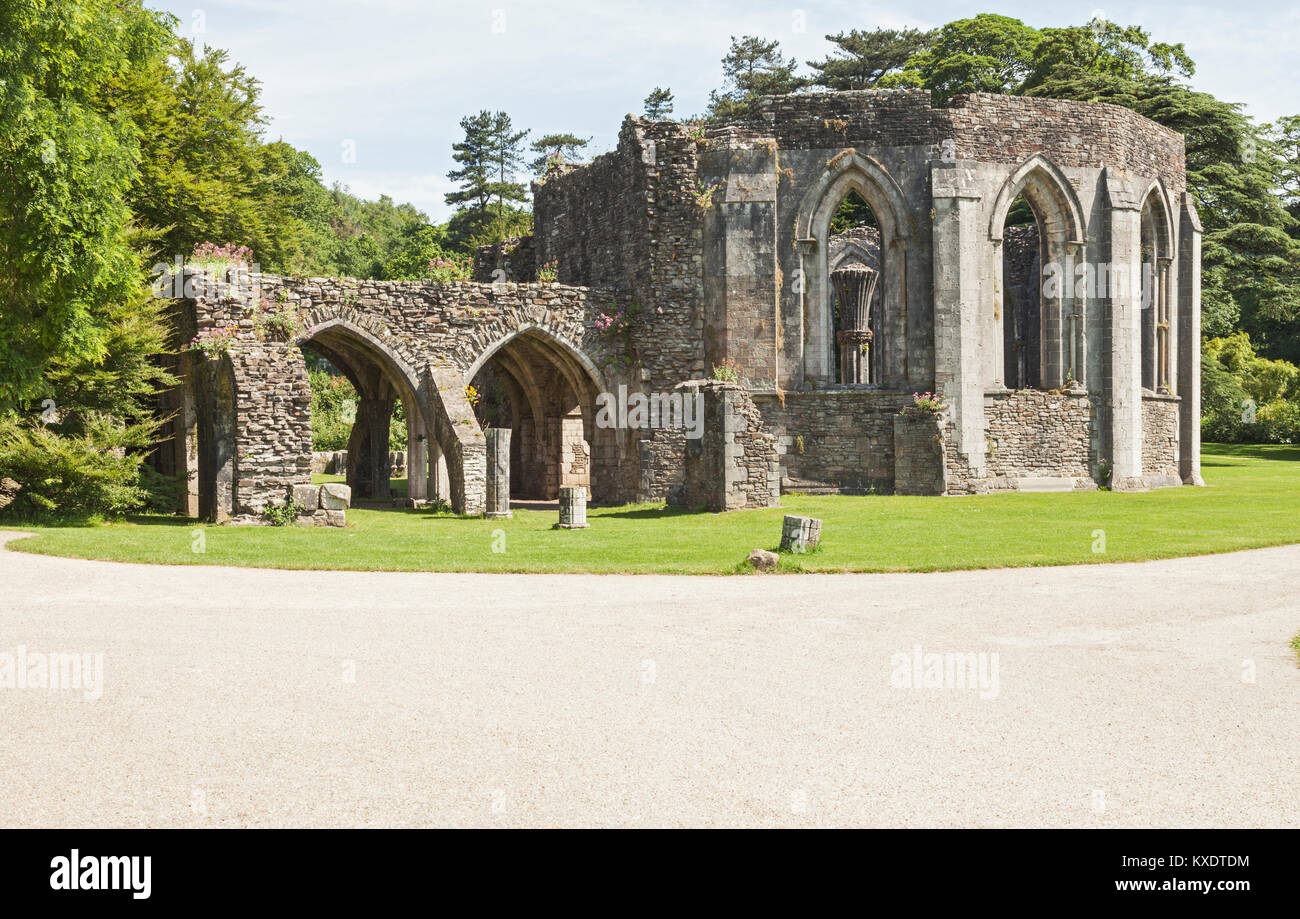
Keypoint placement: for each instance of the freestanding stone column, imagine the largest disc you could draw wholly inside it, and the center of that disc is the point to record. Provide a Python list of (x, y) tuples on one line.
[(854, 285), (573, 507), (498, 472)]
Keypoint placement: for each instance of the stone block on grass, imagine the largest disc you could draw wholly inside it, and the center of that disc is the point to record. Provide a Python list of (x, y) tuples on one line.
[(307, 497), (800, 534), (335, 496)]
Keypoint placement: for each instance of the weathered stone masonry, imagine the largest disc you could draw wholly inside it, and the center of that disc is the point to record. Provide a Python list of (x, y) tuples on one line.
[(682, 251)]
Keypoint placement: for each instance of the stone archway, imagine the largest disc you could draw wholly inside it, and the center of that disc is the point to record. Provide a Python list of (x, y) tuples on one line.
[(544, 389), (1061, 321), (852, 171), (381, 377)]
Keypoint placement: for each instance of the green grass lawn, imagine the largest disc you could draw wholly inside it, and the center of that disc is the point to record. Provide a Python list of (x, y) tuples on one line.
[(1254, 501)]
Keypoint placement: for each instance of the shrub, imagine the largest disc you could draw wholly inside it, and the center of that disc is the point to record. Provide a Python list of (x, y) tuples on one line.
[(278, 515), (280, 322), (1246, 398), (220, 259), (163, 494), (445, 268), (92, 473), (924, 404), (614, 323), (213, 342)]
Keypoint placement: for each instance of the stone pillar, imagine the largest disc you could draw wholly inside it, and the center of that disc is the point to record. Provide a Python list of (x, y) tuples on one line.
[(417, 461), (498, 473), (573, 508), (800, 534), (855, 285), (368, 462), (218, 438), (1124, 387), (1189, 344), (1161, 306), (959, 369)]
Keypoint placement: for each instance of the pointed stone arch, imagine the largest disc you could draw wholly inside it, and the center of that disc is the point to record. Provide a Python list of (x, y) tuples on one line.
[(1046, 186), (1158, 284), (365, 351), (1061, 329), (852, 171), (559, 434)]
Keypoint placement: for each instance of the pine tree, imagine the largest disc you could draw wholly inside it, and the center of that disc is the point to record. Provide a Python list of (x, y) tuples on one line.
[(490, 156), (861, 59), (659, 104), (752, 68), (559, 148)]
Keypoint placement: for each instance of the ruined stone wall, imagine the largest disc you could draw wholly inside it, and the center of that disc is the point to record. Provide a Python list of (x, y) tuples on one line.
[(629, 222), (834, 441), (733, 466), (427, 334), (1031, 434), (512, 259), (1039, 434), (919, 467), (1160, 438), (986, 127), (1010, 129)]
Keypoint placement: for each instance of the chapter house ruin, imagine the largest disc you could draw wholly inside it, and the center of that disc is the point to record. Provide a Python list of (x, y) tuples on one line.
[(1035, 263)]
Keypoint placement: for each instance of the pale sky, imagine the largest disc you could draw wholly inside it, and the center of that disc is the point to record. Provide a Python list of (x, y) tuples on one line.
[(391, 79)]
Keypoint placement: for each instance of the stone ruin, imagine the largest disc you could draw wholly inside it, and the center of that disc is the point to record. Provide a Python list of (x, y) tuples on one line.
[(1064, 346)]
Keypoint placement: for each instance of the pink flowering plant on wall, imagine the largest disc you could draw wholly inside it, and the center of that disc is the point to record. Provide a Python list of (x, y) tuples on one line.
[(925, 405), (213, 342), (614, 323), (280, 321), (220, 259), (445, 268)]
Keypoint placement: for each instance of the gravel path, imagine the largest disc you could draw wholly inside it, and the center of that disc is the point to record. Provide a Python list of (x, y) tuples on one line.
[(1154, 694)]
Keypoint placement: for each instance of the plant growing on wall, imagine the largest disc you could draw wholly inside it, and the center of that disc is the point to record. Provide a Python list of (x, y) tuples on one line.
[(615, 323), (280, 322), (213, 342), (449, 268), (220, 259), (727, 371), (704, 194), (924, 405)]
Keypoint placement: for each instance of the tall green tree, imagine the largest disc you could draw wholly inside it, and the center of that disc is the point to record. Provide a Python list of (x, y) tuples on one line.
[(861, 59), (659, 104), (202, 170), (68, 158), (987, 53), (753, 67), (78, 330), (491, 154)]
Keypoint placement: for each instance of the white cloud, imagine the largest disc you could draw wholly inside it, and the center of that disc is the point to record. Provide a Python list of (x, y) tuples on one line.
[(396, 76)]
